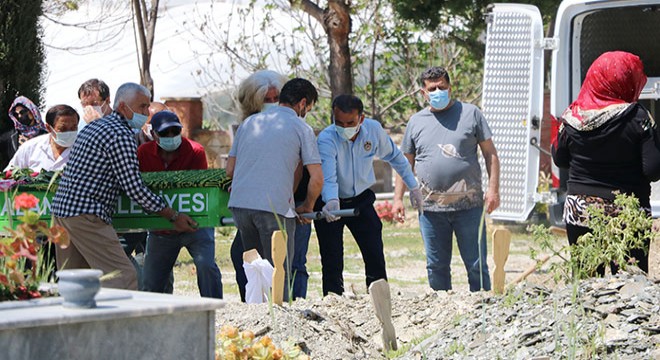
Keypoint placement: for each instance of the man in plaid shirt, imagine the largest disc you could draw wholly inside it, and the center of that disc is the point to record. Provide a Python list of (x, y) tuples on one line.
[(103, 163)]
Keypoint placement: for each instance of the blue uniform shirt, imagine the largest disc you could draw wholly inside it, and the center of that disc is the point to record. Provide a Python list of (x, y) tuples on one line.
[(348, 165)]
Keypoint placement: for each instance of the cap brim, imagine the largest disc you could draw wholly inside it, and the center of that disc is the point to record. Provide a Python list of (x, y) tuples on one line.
[(167, 125)]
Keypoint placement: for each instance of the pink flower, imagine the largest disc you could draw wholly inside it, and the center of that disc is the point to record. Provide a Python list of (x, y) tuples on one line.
[(25, 201), (7, 184)]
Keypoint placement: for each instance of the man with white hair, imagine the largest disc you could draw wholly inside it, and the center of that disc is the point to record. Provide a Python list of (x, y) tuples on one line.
[(103, 163)]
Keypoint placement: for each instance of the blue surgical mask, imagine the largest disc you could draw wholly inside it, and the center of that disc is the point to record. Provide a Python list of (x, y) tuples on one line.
[(138, 120), (347, 132), (268, 106), (439, 99), (170, 143), (65, 138)]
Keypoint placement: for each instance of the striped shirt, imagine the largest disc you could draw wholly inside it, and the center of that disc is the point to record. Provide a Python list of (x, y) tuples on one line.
[(102, 163)]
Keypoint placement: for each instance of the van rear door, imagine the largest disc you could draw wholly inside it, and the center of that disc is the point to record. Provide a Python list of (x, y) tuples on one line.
[(512, 102)]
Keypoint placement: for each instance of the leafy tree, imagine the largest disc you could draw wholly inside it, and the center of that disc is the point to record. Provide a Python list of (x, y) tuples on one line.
[(463, 19), (387, 54)]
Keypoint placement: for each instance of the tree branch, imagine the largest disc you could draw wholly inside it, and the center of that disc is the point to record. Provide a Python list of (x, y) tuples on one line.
[(309, 7)]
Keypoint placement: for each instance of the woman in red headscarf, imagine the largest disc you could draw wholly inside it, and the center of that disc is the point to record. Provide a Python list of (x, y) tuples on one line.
[(609, 143)]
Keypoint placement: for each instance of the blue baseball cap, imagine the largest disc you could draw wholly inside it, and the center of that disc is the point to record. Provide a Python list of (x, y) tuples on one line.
[(163, 120)]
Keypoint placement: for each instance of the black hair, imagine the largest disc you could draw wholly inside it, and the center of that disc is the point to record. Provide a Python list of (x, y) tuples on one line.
[(348, 103), (94, 84), (434, 73), (297, 89), (60, 110)]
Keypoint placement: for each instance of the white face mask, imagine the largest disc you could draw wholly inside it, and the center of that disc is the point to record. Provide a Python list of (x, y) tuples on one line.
[(268, 106), (65, 138), (347, 132), (170, 143)]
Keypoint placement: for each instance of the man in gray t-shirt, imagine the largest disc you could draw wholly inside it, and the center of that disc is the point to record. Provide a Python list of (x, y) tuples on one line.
[(268, 149), (442, 143)]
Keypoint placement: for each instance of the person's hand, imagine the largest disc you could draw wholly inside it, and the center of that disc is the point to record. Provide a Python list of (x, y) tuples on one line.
[(399, 210), (491, 201), (90, 114), (302, 209), (184, 223), (417, 200), (332, 205), (22, 139)]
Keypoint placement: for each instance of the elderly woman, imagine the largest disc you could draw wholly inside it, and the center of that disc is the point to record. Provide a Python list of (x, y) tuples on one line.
[(608, 143), (257, 93), (49, 151)]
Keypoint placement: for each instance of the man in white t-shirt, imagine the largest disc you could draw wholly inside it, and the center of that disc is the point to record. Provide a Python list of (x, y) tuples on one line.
[(49, 151)]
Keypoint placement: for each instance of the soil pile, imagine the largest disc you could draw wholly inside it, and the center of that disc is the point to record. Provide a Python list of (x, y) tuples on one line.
[(616, 317)]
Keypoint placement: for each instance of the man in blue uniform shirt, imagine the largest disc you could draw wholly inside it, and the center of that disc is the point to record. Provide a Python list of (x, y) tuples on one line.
[(347, 149)]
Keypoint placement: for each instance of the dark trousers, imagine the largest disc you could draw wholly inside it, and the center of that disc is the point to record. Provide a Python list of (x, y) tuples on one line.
[(367, 231), (573, 232)]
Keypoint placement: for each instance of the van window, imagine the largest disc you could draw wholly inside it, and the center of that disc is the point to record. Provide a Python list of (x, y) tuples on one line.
[(632, 29)]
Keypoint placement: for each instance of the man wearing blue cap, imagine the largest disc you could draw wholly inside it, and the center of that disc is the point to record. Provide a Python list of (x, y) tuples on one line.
[(170, 151)]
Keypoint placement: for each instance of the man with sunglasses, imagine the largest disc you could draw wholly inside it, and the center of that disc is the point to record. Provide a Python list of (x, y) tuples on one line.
[(170, 151)]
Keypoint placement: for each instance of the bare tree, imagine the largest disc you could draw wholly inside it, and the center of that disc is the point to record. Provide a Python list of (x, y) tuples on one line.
[(105, 22), (144, 27)]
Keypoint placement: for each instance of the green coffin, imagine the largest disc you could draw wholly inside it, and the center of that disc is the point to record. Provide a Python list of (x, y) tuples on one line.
[(204, 198)]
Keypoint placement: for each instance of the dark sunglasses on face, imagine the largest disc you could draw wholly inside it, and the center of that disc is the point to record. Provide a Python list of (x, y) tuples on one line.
[(171, 132), (21, 112)]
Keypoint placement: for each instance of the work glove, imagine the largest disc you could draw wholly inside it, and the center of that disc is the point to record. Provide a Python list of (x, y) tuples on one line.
[(332, 205), (416, 199)]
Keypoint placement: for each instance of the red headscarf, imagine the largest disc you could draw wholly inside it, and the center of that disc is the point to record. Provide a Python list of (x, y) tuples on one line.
[(616, 77), (613, 82)]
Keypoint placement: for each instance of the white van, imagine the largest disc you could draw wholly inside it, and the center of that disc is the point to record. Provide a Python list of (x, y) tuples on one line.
[(513, 85)]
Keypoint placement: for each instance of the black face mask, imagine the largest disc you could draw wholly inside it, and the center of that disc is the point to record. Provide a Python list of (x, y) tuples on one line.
[(25, 119)]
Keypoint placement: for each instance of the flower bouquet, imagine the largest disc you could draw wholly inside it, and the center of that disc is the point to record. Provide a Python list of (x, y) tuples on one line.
[(24, 259)]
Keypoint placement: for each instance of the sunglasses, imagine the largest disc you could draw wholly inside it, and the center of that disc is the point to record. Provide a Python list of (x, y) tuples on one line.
[(20, 113), (170, 132)]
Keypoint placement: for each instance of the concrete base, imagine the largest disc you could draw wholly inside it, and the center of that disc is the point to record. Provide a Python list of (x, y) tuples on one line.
[(124, 325)]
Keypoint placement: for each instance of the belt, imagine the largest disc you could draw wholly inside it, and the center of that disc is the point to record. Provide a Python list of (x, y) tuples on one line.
[(363, 196)]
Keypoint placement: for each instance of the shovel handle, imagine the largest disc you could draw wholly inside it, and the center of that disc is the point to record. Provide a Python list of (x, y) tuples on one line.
[(318, 215)]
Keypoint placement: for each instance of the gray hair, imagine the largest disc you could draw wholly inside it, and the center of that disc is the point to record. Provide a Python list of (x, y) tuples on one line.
[(251, 91), (127, 92)]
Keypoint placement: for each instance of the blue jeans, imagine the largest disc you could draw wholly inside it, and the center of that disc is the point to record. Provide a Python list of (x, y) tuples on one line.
[(437, 229), (298, 265), (163, 250)]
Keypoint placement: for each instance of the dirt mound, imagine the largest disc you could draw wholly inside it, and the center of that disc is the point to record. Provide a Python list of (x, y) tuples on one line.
[(616, 317)]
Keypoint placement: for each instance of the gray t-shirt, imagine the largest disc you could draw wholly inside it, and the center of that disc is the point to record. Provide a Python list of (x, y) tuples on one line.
[(445, 148), (268, 147)]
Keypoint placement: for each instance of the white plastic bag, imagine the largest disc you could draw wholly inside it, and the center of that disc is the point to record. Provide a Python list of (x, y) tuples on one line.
[(259, 274)]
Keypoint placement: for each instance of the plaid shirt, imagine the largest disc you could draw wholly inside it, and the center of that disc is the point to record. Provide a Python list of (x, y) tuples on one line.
[(102, 163)]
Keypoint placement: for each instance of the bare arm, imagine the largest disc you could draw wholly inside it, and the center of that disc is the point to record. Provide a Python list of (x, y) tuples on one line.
[(492, 199), (231, 164), (313, 189), (297, 176), (398, 208)]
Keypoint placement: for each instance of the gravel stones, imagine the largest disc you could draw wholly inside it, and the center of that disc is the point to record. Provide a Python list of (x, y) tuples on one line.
[(602, 318)]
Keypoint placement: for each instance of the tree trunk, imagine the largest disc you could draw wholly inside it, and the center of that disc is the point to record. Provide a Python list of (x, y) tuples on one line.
[(337, 24), (336, 21), (145, 28)]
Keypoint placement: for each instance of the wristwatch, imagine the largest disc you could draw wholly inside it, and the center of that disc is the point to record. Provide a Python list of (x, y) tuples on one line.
[(174, 216)]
